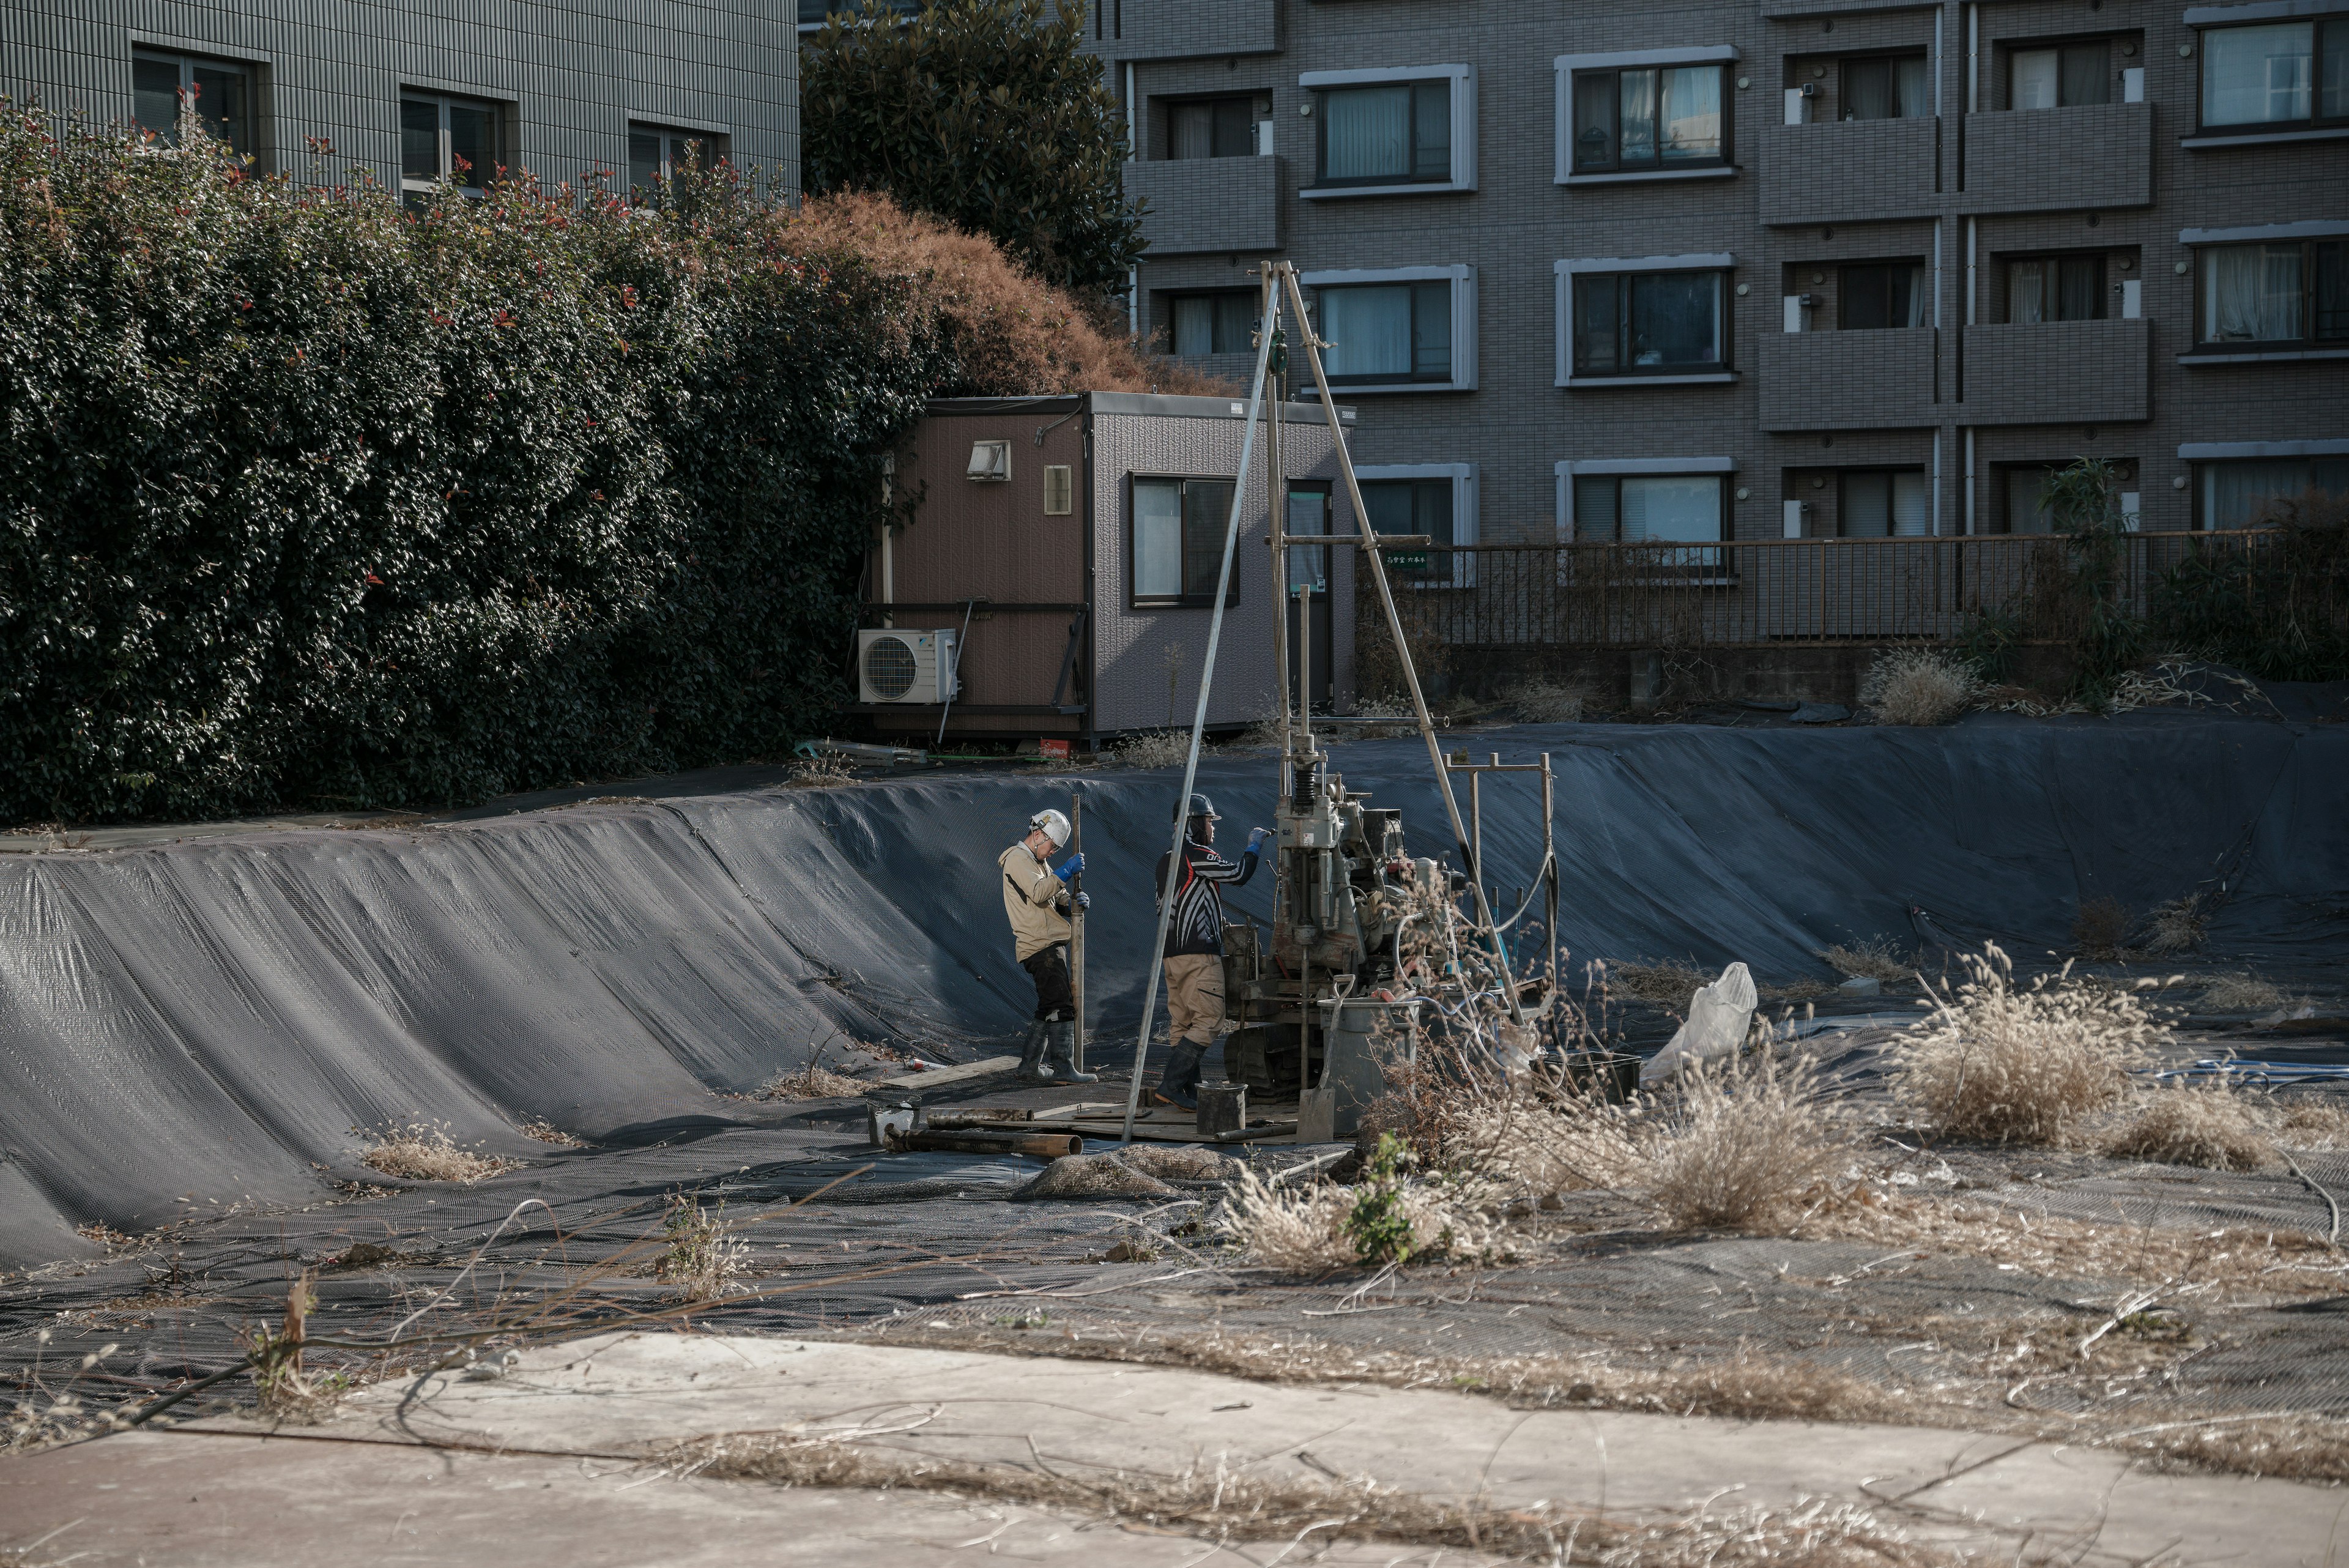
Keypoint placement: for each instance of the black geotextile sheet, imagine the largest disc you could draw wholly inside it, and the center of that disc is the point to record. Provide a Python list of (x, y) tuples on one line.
[(220, 1018)]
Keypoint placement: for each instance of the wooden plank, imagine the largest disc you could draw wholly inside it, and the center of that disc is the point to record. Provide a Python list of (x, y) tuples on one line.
[(984, 1067)]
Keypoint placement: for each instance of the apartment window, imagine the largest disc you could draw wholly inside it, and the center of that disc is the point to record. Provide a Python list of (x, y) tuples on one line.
[(655, 156), (814, 13), (1648, 322), (1637, 509), (1876, 294), (447, 139), (1308, 517), (1387, 134), (220, 95), (1178, 541), (2244, 494), (2276, 75), (1883, 504), (1211, 128), (1199, 323), (1387, 332), (1886, 86), (1648, 116), (1408, 506), (2026, 500), (2055, 288), (2285, 294), (2067, 75)]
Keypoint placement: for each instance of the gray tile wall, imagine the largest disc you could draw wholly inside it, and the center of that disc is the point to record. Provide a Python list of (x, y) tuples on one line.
[(1208, 204), (2058, 372), (572, 74), (2059, 158)]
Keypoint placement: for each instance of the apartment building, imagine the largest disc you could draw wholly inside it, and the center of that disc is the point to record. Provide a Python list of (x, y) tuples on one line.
[(417, 92), (1701, 270)]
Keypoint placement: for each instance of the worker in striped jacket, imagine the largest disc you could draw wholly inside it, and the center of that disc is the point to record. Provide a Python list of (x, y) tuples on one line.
[(1195, 949)]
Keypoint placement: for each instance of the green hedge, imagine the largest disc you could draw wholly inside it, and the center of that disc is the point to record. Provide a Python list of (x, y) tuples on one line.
[(310, 502)]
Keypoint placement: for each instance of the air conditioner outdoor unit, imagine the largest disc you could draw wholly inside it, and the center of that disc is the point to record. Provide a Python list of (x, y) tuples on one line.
[(910, 667)]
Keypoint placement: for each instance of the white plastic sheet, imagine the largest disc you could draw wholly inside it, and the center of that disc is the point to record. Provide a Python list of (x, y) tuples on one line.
[(1719, 1016)]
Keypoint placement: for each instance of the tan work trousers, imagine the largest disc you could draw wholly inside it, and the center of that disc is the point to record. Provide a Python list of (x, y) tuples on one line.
[(1194, 997)]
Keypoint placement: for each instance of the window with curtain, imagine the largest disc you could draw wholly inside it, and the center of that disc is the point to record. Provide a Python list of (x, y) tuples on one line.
[(1382, 332), (2066, 76), (1648, 116), (1651, 323), (2294, 292), (219, 95), (2244, 494), (2055, 288), (1212, 128), (1389, 133), (2026, 500), (1178, 541), (1308, 515), (2276, 74), (1883, 504), (1211, 323), (1870, 296), (1639, 509), (1887, 86), (1413, 506)]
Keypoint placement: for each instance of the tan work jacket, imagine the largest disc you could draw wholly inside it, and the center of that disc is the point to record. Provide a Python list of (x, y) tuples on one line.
[(1033, 900)]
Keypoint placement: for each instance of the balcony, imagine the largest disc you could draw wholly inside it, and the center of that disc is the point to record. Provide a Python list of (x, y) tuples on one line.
[(2059, 160), (1200, 29), (1846, 381), (1849, 170), (2057, 373), (1199, 205)]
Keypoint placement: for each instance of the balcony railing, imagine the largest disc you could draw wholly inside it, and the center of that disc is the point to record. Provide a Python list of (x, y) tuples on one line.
[(1766, 593), (2058, 160), (1204, 206), (1850, 170), (2058, 372)]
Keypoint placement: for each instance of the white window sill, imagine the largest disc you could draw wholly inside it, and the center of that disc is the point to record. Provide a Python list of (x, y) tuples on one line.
[(1701, 379), (2267, 357), (2264, 138), (1644, 176), (1416, 188)]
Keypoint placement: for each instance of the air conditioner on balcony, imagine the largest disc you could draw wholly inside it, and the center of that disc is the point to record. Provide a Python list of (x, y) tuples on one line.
[(1798, 103), (909, 667)]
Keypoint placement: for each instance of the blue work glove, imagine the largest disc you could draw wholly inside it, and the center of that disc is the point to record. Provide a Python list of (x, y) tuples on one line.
[(1069, 867), (1084, 901), (1256, 835)]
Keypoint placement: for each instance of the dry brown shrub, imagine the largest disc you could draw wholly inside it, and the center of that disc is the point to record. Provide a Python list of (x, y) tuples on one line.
[(1920, 686), (1743, 1145), (1666, 982), (2315, 1124), (2004, 1065), (2242, 993), (539, 1130), (1545, 700), (2100, 928), (702, 1255), (1876, 958), (423, 1152), (810, 1082), (1304, 1228), (2208, 1125), (1151, 749), (2178, 926), (1537, 1145)]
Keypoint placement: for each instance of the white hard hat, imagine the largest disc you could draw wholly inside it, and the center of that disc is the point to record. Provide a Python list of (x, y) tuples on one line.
[(1054, 825)]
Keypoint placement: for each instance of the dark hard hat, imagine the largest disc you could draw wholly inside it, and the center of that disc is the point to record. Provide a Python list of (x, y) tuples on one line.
[(1202, 806)]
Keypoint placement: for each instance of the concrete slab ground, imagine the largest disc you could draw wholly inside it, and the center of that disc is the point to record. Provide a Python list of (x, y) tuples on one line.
[(536, 1465)]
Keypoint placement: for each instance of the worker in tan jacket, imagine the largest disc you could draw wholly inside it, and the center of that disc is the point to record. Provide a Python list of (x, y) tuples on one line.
[(1037, 900)]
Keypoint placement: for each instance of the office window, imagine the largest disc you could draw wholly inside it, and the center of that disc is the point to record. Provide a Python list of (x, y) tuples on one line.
[(1876, 294), (2244, 494), (1883, 504), (1178, 541), (655, 155), (1382, 332), (1653, 117), (220, 95), (2055, 288), (1886, 86), (1640, 509), (2276, 74), (1409, 506), (1308, 515), (2291, 293), (447, 139), (1634, 323), (1386, 133), (2066, 76), (1211, 323), (1212, 128)]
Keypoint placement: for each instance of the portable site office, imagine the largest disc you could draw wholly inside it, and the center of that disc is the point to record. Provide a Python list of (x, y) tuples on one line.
[(1051, 569)]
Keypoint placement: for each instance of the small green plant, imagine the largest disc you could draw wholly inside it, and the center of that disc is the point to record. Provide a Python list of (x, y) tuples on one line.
[(1990, 643), (1377, 1224), (2084, 500)]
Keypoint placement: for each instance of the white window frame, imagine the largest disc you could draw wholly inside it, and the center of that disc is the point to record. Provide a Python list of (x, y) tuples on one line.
[(1722, 262), (1463, 129), (1463, 319), (1463, 510), (1564, 68)]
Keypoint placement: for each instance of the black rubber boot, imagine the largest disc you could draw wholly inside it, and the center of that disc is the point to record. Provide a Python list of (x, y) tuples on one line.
[(1033, 1068), (1061, 1054), (1179, 1083)]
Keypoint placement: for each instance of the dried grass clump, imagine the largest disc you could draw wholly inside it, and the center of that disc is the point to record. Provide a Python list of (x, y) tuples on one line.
[(2178, 926), (2242, 993), (810, 1082), (2207, 1125), (1920, 686), (2004, 1065), (1744, 1144), (2314, 1124), (1177, 1162), (1566, 1144), (1666, 982), (1152, 749), (1544, 700), (1876, 958), (421, 1152), (2100, 928), (825, 770), (538, 1130), (702, 1256), (1315, 1227), (1094, 1176)]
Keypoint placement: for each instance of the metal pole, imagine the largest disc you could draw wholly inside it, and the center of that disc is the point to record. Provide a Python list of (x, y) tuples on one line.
[(1549, 860), (1199, 726), (1276, 447), (1311, 344), (1077, 921)]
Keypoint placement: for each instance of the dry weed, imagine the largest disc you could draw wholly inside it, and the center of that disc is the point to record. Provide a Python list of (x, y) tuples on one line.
[(1318, 1227), (1877, 959), (423, 1152), (2207, 1125), (825, 770), (2178, 926), (1537, 1146), (703, 1255), (810, 1083), (2240, 992), (1920, 686), (2100, 928), (1152, 749), (1745, 1144), (1386, 705), (2004, 1065), (2313, 1125), (539, 1129), (1545, 700), (1666, 982)]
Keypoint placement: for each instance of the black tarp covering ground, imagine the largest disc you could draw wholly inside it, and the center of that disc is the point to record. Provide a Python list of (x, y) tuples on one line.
[(218, 1018)]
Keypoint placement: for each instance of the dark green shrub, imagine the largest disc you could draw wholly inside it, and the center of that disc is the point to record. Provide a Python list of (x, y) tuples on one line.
[(2275, 606)]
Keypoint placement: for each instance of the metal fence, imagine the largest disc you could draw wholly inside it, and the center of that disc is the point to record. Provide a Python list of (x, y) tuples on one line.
[(1775, 592)]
